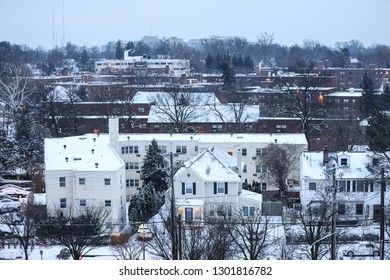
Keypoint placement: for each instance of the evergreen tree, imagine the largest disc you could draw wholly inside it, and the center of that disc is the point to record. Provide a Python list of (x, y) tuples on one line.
[(119, 50), (152, 170), (228, 76), (368, 96)]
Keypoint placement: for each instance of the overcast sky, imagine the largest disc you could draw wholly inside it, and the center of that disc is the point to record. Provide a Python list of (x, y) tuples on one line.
[(95, 22)]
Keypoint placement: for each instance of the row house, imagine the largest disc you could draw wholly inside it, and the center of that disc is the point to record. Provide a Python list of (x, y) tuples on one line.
[(352, 177)]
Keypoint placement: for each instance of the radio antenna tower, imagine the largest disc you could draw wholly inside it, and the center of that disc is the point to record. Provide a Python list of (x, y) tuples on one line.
[(63, 25), (54, 37)]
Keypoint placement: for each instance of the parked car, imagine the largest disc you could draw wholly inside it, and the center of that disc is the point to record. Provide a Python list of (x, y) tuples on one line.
[(361, 249), (9, 205), (14, 192), (4, 196)]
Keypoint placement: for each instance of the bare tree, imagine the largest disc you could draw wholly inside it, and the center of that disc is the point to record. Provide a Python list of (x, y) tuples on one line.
[(177, 110), (15, 89), (281, 160), (237, 112), (124, 247), (251, 235), (301, 97), (79, 234), (23, 224), (314, 229), (197, 240)]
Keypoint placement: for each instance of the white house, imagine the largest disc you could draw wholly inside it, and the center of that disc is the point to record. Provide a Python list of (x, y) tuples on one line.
[(166, 65), (85, 171), (354, 176), (208, 185)]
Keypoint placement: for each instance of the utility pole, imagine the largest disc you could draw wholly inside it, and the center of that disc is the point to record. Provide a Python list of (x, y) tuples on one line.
[(173, 210), (334, 190), (382, 214)]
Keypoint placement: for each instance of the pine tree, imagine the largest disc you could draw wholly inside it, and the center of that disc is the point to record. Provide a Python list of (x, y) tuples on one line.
[(368, 96), (152, 170)]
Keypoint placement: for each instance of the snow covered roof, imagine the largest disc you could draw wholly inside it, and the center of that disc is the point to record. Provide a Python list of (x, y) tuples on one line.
[(357, 166), (210, 165), (81, 153), (217, 138), (206, 114), (147, 97), (61, 94)]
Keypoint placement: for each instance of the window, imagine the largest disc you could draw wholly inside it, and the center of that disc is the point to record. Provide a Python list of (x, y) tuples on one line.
[(261, 168), (245, 169), (134, 183), (188, 188), (211, 210), (107, 203), (312, 186), (107, 182), (82, 181), (127, 183), (133, 149), (216, 128), (83, 203), (341, 209), (244, 152), (359, 209), (141, 109), (375, 161), (132, 165), (248, 211), (263, 186), (189, 215), (220, 187), (344, 161), (181, 149), (220, 210), (129, 150), (62, 202), (360, 186), (162, 149), (62, 181)]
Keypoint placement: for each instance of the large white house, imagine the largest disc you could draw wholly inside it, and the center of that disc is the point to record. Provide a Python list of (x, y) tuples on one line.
[(208, 185), (164, 65), (85, 171), (354, 176)]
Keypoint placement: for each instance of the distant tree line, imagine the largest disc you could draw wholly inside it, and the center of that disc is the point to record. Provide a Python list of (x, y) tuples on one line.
[(206, 54)]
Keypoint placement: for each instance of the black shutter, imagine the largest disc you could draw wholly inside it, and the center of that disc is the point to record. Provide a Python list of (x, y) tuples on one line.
[(215, 187), (183, 188), (226, 188), (194, 188)]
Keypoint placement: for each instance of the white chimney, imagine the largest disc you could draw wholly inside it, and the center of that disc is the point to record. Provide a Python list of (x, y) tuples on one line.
[(113, 131)]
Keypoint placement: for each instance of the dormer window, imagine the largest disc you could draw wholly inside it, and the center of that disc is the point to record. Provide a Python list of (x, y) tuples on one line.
[(343, 161)]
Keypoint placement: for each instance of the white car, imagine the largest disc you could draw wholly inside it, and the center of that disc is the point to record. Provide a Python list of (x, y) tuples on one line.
[(14, 192), (9, 205), (361, 249)]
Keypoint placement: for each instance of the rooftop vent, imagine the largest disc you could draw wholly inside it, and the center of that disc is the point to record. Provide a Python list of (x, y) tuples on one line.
[(66, 159), (64, 147), (96, 165), (92, 151)]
